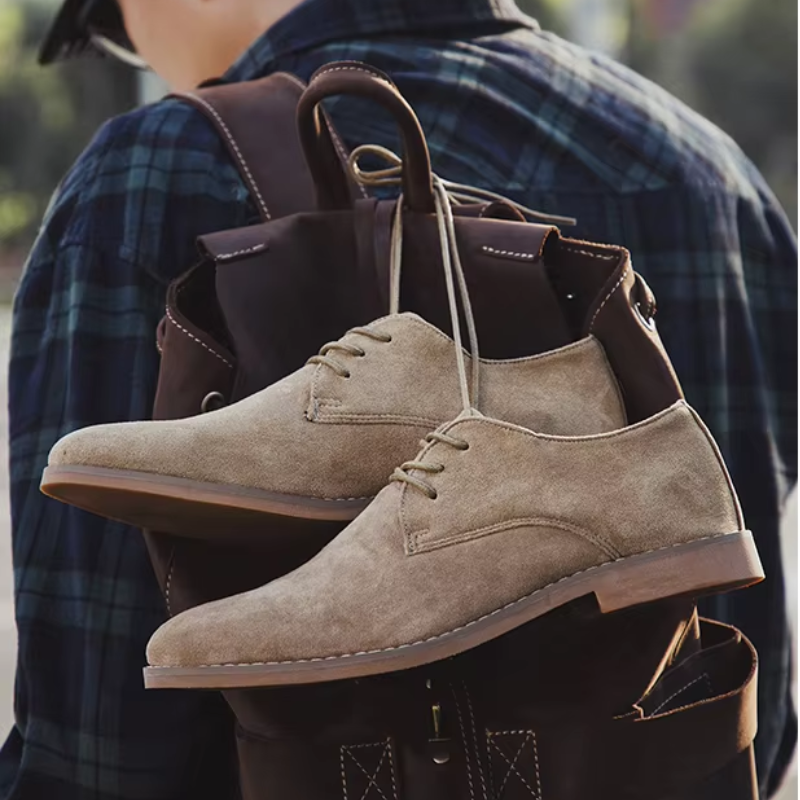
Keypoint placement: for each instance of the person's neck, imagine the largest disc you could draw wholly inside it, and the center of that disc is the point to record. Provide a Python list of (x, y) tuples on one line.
[(270, 11)]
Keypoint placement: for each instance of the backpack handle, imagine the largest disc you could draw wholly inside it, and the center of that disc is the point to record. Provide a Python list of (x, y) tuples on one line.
[(320, 144)]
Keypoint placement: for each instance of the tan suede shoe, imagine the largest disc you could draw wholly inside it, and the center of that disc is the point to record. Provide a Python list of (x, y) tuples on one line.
[(492, 526), (322, 442)]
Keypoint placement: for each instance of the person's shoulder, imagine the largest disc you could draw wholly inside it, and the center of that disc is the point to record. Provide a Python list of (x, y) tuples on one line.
[(154, 144), (150, 182), (649, 131)]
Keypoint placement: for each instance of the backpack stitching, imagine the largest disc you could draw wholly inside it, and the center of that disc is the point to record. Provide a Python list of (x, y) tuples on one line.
[(194, 338), (229, 136)]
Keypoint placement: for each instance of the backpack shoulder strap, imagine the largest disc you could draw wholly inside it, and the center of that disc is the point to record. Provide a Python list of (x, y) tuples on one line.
[(257, 121)]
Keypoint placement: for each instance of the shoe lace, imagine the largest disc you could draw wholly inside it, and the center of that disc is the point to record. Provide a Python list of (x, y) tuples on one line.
[(349, 349), (403, 473), (454, 275), (458, 193)]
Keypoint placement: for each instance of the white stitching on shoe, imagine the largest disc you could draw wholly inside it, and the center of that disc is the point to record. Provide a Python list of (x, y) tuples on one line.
[(417, 543), (348, 417), (446, 633), (679, 692), (608, 296), (529, 736), (229, 136), (194, 338)]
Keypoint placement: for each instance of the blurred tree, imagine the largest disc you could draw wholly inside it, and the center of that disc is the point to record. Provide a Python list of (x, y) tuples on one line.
[(550, 14), (745, 76), (46, 116), (734, 61)]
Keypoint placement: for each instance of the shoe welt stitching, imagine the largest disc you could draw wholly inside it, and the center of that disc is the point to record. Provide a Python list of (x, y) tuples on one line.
[(446, 633), (343, 499)]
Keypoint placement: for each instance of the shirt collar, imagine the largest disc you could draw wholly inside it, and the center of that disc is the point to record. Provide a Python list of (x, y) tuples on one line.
[(316, 22)]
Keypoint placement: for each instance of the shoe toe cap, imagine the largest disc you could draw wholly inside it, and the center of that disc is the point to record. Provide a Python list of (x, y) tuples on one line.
[(124, 445), (194, 638), (86, 447)]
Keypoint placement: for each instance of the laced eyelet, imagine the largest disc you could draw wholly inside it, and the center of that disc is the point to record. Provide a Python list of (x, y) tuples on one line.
[(346, 375), (434, 494)]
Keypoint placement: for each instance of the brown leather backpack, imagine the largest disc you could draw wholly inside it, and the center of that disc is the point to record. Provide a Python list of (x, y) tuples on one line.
[(646, 704)]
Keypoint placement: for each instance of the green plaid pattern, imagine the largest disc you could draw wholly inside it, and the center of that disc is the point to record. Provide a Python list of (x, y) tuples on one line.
[(505, 105)]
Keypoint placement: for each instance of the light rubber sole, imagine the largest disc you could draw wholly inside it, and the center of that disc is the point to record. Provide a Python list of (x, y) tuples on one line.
[(707, 566), (185, 507)]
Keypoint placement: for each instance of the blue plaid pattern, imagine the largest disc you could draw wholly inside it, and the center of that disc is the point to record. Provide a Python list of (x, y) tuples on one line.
[(505, 105)]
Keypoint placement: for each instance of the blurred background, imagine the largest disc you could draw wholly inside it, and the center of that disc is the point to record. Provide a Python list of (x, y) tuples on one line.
[(734, 61)]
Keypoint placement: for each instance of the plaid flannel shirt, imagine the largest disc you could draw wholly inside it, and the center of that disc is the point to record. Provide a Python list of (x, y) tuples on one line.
[(505, 105)]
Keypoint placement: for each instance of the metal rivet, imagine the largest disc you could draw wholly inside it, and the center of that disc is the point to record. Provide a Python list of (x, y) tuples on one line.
[(213, 401)]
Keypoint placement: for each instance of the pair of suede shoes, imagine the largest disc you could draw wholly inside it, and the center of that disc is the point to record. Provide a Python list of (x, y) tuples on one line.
[(545, 495)]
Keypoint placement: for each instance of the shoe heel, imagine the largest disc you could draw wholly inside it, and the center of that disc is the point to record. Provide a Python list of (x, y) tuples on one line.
[(708, 566)]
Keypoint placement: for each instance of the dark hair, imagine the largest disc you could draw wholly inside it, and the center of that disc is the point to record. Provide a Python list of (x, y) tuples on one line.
[(77, 21)]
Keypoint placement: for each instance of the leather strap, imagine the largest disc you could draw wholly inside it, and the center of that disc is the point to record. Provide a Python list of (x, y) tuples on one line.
[(256, 120), (322, 153)]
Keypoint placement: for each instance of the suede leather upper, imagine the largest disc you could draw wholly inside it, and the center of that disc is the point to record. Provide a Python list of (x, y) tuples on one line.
[(319, 434), (513, 513)]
